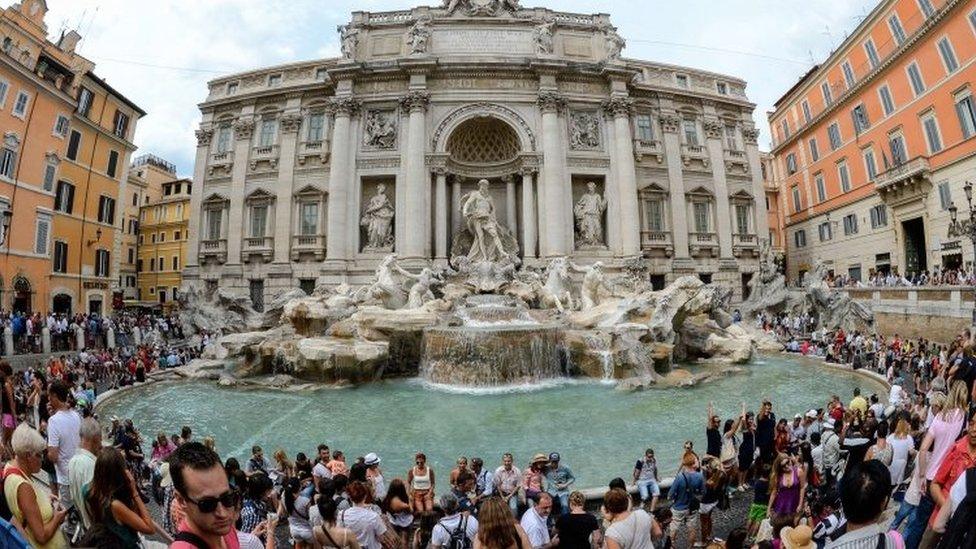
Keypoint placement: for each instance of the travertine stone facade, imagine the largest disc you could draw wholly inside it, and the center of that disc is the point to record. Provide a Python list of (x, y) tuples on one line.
[(427, 101)]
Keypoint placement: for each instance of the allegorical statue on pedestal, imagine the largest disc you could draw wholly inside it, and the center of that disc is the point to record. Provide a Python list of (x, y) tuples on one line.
[(378, 221), (589, 217), (478, 211)]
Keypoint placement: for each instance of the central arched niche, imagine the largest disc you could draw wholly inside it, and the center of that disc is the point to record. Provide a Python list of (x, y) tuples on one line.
[(483, 141)]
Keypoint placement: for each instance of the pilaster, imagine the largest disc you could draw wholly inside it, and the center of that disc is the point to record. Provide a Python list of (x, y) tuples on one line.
[(290, 124), (552, 214), (340, 181), (670, 126), (195, 226), (627, 220), (416, 192), (243, 131), (713, 137)]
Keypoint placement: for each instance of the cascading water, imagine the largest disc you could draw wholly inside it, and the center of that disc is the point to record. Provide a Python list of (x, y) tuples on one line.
[(496, 344)]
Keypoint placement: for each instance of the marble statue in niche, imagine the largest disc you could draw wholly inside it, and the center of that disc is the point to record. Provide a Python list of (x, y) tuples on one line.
[(589, 212), (377, 219)]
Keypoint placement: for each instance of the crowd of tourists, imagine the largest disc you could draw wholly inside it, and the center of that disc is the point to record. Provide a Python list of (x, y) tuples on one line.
[(893, 279), (28, 329)]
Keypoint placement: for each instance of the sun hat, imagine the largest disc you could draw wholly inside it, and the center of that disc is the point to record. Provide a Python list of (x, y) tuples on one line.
[(800, 537), (371, 459), (812, 414), (798, 416), (539, 458)]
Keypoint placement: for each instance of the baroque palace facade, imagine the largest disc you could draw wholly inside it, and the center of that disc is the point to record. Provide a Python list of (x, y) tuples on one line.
[(874, 145), (315, 171)]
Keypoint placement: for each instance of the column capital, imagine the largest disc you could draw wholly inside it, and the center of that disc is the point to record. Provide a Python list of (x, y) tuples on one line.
[(670, 123), (290, 123), (713, 128), (204, 136), (345, 106), (750, 136), (243, 128), (618, 106), (415, 101), (550, 101), (528, 171), (440, 171)]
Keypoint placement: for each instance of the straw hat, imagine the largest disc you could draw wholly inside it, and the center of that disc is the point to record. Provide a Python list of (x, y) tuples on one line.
[(539, 458), (800, 537)]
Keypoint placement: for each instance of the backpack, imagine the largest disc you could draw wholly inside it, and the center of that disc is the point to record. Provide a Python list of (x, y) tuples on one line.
[(459, 537), (961, 531), (10, 536)]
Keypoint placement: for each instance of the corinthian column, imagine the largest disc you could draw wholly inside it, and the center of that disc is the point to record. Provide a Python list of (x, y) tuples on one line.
[(416, 194), (243, 131), (339, 180), (204, 137), (440, 213), (628, 222), (290, 124), (713, 133), (552, 216), (670, 125), (528, 213)]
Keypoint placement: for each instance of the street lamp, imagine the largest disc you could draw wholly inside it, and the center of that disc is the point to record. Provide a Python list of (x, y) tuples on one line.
[(965, 227), (98, 237)]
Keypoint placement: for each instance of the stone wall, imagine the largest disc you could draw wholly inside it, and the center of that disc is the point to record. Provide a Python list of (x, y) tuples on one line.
[(936, 313)]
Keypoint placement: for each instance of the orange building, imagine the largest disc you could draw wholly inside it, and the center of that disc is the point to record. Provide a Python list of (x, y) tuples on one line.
[(873, 145), (67, 139)]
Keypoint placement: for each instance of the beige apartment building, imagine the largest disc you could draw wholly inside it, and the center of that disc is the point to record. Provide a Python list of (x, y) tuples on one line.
[(145, 185)]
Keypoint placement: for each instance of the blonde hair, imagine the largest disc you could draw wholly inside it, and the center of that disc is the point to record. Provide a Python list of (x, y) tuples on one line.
[(902, 428), (26, 441), (577, 498), (958, 399), (210, 443)]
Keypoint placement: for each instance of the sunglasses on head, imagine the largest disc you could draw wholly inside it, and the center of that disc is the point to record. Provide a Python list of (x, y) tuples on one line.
[(228, 499)]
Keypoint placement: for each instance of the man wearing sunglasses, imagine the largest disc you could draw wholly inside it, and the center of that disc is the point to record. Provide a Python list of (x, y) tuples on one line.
[(211, 506)]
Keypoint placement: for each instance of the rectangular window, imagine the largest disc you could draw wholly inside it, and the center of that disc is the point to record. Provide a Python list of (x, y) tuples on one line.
[(61, 256), (259, 217), (223, 139), (20, 105), (844, 176), (274, 80), (74, 142), (791, 164), (316, 127), (310, 218), (897, 31), (796, 199), (800, 238), (321, 75), (887, 103), (899, 155), (948, 55), (85, 99), (860, 116), (8, 163), (972, 21), (132, 255), (701, 217), (879, 216), (152, 264), (825, 90), (121, 124), (833, 132), (162, 236), (814, 150), (645, 127), (4, 88), (915, 77), (113, 163), (872, 53), (176, 235), (742, 218), (821, 187), (807, 115), (722, 88), (213, 224), (870, 165), (927, 8), (232, 88), (43, 232), (64, 198), (152, 238), (691, 131), (50, 173), (101, 262), (268, 130), (966, 111), (932, 137), (848, 74), (785, 125), (850, 224), (682, 80), (106, 210), (945, 195), (824, 232), (61, 125), (655, 215), (731, 138), (176, 263)]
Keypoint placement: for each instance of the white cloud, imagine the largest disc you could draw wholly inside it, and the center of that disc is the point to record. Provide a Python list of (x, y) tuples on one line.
[(133, 43)]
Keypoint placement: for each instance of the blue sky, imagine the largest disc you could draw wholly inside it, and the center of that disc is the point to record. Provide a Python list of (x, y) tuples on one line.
[(161, 53)]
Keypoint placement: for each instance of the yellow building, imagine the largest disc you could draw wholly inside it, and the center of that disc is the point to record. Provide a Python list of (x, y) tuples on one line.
[(145, 185), (163, 242)]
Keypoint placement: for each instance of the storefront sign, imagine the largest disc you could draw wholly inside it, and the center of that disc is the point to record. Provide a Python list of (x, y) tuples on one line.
[(93, 285), (951, 246)]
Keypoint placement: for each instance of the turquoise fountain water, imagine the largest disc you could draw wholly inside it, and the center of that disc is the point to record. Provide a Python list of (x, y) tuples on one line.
[(598, 430)]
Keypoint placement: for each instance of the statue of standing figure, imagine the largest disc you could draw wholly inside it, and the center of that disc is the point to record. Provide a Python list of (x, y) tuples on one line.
[(348, 37), (419, 36), (478, 211), (378, 220), (589, 212), (544, 37)]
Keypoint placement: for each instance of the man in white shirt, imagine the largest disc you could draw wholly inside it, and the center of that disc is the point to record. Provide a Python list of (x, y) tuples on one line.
[(81, 468), (453, 520), (63, 438), (534, 523), (319, 470)]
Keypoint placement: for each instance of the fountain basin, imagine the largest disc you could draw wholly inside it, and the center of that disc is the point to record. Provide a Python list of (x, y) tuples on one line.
[(482, 356)]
